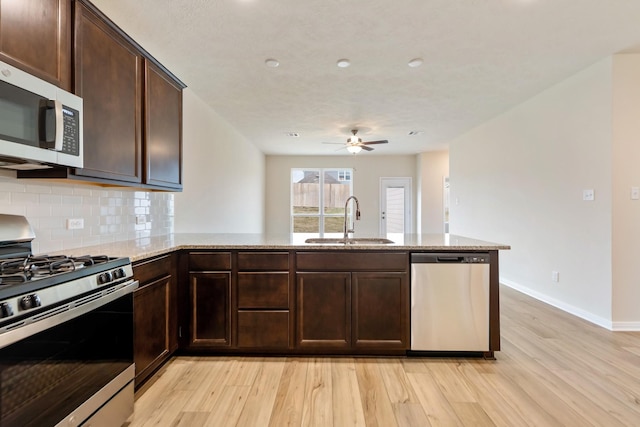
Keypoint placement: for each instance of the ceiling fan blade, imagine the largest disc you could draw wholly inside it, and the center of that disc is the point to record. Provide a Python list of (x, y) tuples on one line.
[(383, 141), (342, 143), (364, 147)]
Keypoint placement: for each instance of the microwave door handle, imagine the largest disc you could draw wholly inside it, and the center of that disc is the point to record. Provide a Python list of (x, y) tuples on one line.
[(59, 125)]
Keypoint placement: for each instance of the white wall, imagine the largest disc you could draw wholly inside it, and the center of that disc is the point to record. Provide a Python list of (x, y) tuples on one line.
[(433, 167), (626, 174), (366, 185), (223, 175), (518, 179)]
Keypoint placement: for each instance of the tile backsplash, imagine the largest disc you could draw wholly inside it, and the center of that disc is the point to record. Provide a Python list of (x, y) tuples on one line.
[(109, 215)]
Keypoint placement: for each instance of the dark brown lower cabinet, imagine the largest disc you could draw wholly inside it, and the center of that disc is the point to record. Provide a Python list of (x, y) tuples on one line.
[(380, 310), (155, 315), (362, 306), (210, 295), (324, 309), (152, 325), (298, 303), (353, 310)]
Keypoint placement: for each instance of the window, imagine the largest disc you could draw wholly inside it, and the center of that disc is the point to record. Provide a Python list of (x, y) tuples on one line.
[(344, 175), (317, 200)]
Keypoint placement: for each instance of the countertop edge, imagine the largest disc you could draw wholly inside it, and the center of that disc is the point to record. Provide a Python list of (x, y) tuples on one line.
[(145, 248)]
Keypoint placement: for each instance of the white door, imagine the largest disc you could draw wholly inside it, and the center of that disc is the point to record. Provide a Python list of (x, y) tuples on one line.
[(395, 207)]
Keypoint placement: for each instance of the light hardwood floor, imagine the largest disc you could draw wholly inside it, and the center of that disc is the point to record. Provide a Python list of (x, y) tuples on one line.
[(554, 370)]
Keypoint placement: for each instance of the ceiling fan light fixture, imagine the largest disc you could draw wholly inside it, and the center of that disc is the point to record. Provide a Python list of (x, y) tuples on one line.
[(354, 149), (343, 63)]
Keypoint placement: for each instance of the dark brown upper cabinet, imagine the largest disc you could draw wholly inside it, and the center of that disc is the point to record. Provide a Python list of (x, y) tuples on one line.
[(132, 109), (108, 71), (163, 129), (35, 36)]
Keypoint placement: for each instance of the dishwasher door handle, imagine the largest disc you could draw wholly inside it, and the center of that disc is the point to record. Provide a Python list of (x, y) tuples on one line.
[(452, 259)]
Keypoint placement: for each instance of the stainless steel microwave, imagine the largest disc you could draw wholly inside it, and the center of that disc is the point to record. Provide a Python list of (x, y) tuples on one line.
[(40, 124)]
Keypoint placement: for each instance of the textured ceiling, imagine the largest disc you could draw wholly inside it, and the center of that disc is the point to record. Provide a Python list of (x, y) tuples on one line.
[(481, 57)]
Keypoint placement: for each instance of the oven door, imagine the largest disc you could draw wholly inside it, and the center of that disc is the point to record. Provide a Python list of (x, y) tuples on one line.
[(76, 362)]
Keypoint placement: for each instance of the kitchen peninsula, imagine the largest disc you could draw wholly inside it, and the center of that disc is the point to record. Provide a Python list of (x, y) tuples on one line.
[(259, 294)]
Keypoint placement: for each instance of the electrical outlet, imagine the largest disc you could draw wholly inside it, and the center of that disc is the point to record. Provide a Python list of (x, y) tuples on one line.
[(588, 195), (75, 223), (555, 276), (141, 219)]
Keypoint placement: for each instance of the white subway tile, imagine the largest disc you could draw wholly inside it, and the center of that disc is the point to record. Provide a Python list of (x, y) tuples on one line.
[(109, 215), (72, 200), (53, 199), (24, 198), (40, 189)]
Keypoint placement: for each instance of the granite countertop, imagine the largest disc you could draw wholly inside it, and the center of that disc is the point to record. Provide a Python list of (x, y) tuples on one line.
[(152, 246)]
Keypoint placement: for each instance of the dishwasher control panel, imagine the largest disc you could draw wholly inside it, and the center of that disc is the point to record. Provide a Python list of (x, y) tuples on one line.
[(482, 259), (450, 258)]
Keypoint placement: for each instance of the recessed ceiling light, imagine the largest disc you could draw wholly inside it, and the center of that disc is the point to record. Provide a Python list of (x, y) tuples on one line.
[(272, 63), (293, 134), (415, 62), (343, 63)]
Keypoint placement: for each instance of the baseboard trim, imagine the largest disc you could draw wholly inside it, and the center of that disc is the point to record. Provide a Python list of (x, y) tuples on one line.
[(626, 326), (578, 312)]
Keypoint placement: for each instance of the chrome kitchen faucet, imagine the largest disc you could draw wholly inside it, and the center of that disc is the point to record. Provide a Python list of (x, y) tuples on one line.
[(346, 204)]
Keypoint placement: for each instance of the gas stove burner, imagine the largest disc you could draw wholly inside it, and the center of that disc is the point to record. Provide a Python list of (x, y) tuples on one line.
[(20, 270), (12, 279)]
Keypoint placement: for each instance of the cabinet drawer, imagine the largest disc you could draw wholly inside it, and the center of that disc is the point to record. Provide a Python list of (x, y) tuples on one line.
[(209, 261), (263, 290), (263, 329), (263, 261), (352, 261), (149, 270)]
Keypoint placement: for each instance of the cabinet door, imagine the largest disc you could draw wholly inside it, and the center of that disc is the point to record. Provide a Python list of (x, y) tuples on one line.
[(380, 310), (324, 310), (163, 129), (35, 35), (151, 305), (108, 76), (210, 309)]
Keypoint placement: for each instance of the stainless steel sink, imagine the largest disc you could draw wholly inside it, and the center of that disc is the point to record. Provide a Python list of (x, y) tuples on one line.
[(350, 241)]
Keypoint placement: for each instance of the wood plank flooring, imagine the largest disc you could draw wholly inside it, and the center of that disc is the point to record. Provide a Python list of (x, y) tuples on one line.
[(554, 370)]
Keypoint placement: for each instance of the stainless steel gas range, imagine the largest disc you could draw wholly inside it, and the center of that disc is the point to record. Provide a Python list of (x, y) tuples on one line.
[(66, 335)]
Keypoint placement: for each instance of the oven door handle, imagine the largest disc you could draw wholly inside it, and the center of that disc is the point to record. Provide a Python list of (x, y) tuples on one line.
[(39, 322)]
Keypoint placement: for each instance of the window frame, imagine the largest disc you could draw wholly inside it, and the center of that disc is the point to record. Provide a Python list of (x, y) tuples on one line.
[(321, 215)]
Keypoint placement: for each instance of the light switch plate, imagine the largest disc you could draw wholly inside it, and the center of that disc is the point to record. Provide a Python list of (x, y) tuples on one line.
[(635, 193), (588, 195)]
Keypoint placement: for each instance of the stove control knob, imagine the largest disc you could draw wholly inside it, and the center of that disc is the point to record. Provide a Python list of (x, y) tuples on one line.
[(5, 310), (119, 273), (104, 278), (30, 301)]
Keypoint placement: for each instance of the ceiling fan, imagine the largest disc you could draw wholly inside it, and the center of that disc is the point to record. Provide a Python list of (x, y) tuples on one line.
[(355, 145)]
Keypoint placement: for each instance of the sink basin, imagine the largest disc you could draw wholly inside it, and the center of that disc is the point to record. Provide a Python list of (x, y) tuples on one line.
[(350, 241)]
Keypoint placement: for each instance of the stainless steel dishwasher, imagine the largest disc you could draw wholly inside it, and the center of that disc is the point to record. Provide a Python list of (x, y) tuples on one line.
[(450, 302)]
